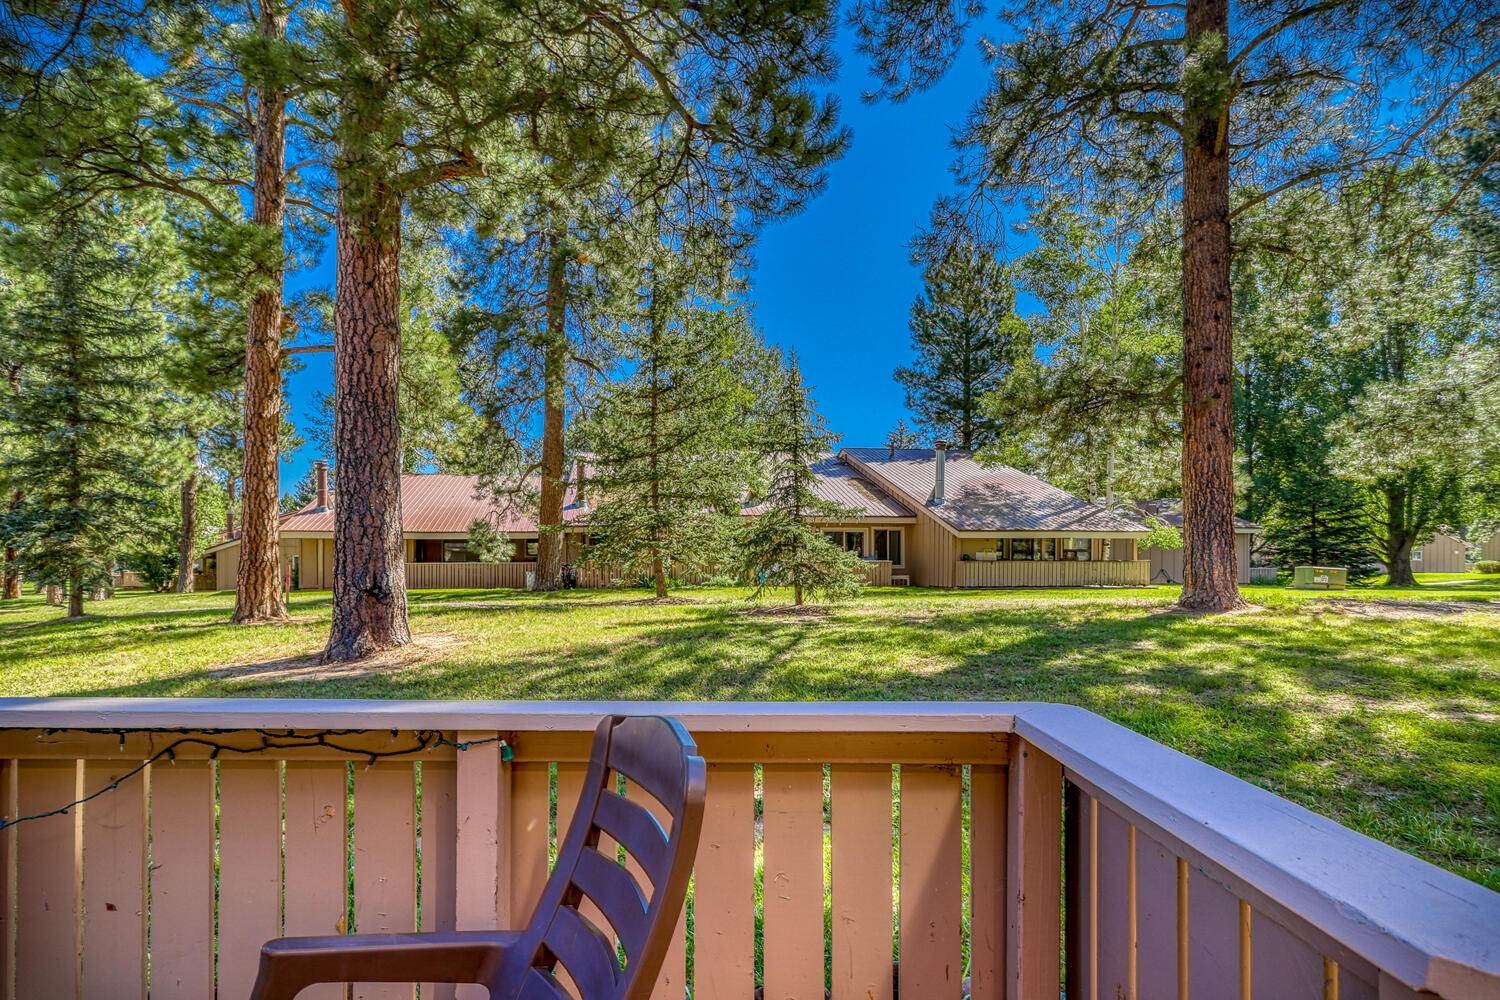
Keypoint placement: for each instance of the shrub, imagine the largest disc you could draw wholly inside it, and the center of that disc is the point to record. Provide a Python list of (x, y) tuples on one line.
[(1488, 566)]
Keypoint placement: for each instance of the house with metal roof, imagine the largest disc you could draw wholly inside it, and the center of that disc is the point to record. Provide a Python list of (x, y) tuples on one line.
[(930, 517), (1167, 565)]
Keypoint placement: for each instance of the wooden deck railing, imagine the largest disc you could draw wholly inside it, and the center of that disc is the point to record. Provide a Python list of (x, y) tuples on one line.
[(459, 575), (272, 817), (1022, 573)]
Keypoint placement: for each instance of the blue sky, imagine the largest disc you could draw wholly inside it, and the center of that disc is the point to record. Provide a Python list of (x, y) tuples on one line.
[(834, 282)]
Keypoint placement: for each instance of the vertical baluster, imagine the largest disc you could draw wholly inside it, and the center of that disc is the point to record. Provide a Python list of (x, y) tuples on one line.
[(988, 866), (316, 858), (114, 883), (181, 883), (1112, 849), (476, 902), (1034, 915), (8, 769), (385, 872), (530, 800), (724, 886), (861, 881), (931, 881), (439, 857), (793, 880), (249, 868), (47, 881)]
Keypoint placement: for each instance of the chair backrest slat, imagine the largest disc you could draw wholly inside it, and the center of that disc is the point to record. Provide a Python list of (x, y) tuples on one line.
[(587, 955), (659, 757), (635, 829)]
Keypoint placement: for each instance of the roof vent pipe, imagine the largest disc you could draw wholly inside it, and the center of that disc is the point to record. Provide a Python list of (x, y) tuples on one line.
[(940, 459), (320, 472)]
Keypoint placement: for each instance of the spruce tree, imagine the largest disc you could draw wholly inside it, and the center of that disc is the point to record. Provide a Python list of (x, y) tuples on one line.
[(966, 337), (85, 415), (781, 546), (667, 474), (1321, 521)]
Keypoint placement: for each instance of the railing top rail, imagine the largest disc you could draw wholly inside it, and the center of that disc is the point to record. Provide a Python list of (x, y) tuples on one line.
[(509, 716), (1428, 928)]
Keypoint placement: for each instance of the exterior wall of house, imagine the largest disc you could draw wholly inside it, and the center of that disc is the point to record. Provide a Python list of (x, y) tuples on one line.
[(1444, 554), (932, 553), (1491, 548), (227, 568)]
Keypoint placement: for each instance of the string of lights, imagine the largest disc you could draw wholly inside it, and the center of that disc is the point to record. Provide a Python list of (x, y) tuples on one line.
[(427, 740)]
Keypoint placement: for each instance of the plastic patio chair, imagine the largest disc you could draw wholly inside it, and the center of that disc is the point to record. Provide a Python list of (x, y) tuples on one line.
[(656, 754)]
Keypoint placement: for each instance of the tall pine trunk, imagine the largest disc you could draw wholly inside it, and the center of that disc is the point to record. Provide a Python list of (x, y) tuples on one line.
[(188, 541), (549, 549), (1398, 539), (75, 594), (258, 595), (369, 571), (1207, 351)]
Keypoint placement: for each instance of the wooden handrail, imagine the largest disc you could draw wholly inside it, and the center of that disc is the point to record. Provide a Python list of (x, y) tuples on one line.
[(1427, 927)]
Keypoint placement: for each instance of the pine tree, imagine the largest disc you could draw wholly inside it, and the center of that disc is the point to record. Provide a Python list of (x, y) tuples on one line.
[(781, 546), (87, 458), (1321, 521), (667, 476), (966, 336), (902, 436)]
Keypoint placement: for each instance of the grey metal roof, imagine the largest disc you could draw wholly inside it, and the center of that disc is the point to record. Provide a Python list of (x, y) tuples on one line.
[(1169, 511), (840, 483), (979, 497)]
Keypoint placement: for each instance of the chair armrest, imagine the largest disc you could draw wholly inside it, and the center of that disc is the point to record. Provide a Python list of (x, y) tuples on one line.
[(289, 965)]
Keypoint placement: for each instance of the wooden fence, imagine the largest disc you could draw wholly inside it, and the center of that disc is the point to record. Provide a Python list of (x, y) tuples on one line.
[(1179, 881), (1021, 573), (461, 575)]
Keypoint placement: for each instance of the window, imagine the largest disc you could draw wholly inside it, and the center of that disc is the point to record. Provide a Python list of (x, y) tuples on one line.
[(888, 545), (457, 552), (529, 547), (1023, 548), (1416, 554), (1047, 551), (1077, 549), (849, 541)]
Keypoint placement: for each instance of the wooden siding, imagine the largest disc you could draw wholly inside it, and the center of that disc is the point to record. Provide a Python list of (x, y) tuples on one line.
[(1136, 871), (1017, 573), (458, 575), (932, 552), (1166, 564), (1444, 554)]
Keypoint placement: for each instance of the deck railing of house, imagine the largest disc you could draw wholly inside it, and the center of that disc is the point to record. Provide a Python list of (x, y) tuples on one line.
[(959, 834), (460, 575), (1058, 573)]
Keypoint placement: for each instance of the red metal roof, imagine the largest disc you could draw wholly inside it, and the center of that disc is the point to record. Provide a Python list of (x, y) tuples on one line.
[(438, 503)]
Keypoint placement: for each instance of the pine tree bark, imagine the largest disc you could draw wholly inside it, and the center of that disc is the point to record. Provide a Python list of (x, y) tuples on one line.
[(187, 543), (1399, 539), (549, 549), (369, 570), (1208, 353), (258, 595), (75, 595)]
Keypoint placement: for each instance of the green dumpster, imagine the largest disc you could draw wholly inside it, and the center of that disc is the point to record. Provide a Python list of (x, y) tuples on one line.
[(1320, 578)]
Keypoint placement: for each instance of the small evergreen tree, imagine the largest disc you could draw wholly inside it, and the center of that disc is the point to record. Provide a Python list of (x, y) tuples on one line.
[(488, 543), (84, 414), (901, 436), (780, 547), (668, 477), (1321, 521)]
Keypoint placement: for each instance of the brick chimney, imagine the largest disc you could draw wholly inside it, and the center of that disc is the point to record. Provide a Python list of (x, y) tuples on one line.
[(578, 496), (940, 459), (320, 473)]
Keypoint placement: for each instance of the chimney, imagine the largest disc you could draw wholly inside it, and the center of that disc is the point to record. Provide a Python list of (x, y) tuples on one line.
[(578, 496), (320, 472), (229, 511), (940, 459)]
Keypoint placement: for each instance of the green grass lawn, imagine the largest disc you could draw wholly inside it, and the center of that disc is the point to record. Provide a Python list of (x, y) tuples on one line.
[(1379, 707)]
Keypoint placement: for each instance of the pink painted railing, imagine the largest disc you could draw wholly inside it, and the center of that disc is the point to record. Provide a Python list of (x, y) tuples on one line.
[(270, 817)]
